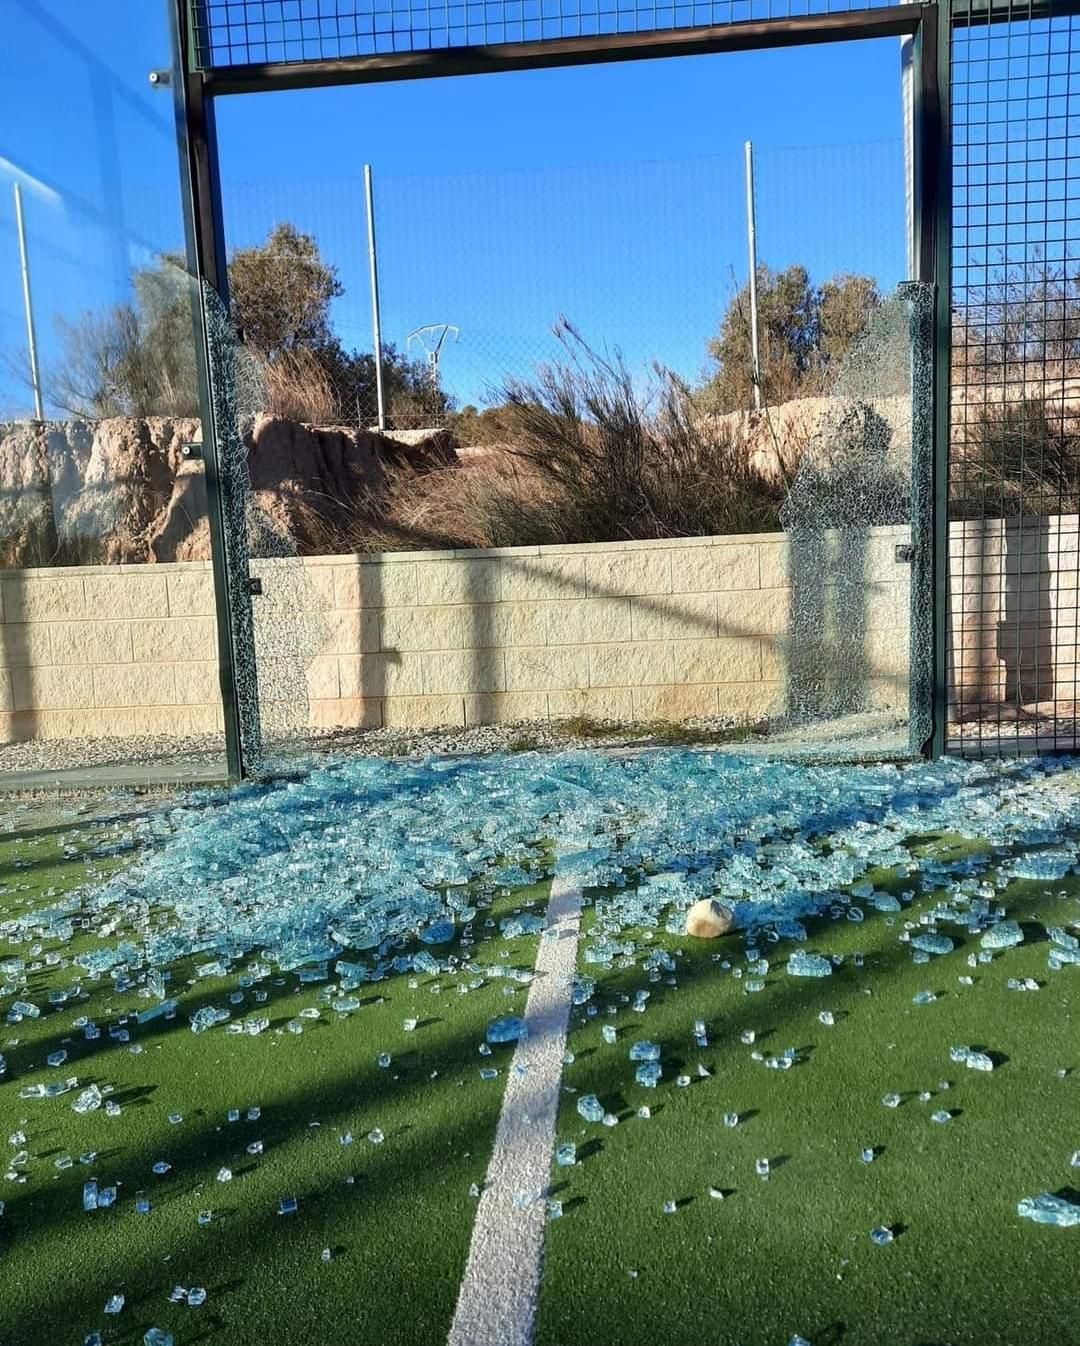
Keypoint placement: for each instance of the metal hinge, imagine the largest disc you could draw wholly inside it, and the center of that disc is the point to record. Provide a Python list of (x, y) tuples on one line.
[(904, 553), (191, 451), (254, 585)]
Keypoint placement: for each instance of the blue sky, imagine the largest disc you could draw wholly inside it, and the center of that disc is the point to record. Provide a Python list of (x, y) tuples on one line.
[(612, 194)]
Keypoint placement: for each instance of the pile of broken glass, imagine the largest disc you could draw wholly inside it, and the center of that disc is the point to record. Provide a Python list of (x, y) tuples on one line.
[(365, 868)]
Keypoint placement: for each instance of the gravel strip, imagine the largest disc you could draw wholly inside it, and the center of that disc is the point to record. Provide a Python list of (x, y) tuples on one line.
[(56, 754)]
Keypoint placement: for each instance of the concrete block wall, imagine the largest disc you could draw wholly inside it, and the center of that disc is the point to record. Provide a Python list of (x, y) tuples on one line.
[(1015, 614), (99, 651), (635, 631)]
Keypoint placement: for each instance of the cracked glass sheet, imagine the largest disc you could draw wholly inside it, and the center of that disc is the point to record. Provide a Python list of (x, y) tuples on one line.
[(854, 658), (278, 632)]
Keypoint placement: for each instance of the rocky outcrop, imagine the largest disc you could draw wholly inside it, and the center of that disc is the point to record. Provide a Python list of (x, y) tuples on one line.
[(777, 437), (122, 490)]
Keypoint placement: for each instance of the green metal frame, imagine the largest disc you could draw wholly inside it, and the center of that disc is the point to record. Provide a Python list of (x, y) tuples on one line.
[(198, 88), (205, 245), (940, 206)]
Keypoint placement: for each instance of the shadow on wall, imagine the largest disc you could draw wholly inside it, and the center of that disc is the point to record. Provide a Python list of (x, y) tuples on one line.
[(828, 671), (1008, 624), (1025, 643), (852, 480), (472, 678), (19, 695)]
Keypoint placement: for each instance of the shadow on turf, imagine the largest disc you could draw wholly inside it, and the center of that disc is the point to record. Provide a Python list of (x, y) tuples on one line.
[(386, 1172), (30, 1053), (84, 824)]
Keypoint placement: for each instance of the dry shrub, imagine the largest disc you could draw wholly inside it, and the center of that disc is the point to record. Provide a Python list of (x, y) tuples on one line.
[(585, 456), (1015, 458), (466, 503), (607, 461), (37, 545), (406, 515), (444, 508), (298, 388)]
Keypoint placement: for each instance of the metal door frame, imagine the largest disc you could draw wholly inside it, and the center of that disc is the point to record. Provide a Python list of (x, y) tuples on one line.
[(195, 92)]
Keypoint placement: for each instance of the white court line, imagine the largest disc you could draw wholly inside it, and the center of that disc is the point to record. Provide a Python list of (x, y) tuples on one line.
[(497, 1300)]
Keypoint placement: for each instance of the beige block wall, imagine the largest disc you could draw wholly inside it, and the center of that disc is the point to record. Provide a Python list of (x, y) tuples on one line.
[(636, 630), (100, 651), (1014, 611)]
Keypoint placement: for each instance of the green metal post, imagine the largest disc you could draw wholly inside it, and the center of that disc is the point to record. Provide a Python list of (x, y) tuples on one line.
[(205, 259), (942, 262), (933, 207)]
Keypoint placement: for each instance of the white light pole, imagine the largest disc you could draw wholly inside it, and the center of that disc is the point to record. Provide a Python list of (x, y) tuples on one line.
[(751, 242), (31, 338), (376, 324), (907, 90)]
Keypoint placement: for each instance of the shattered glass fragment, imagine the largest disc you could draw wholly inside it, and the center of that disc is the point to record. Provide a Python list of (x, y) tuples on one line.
[(588, 1106), (803, 964), (931, 943), (1003, 935), (1049, 1209), (508, 1029)]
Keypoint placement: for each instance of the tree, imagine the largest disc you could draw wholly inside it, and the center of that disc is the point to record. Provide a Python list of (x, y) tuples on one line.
[(844, 306), (494, 425), (411, 400), (280, 293), (804, 331), (138, 358)]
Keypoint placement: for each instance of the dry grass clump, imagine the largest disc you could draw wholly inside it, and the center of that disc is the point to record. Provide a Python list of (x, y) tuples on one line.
[(1015, 458), (607, 460), (299, 388)]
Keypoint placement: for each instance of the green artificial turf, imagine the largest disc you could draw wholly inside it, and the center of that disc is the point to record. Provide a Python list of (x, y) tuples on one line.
[(776, 1257), (398, 1232), (792, 1254)]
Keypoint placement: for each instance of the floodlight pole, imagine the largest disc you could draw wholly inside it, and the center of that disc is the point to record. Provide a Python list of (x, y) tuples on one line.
[(376, 324), (28, 305), (751, 244)]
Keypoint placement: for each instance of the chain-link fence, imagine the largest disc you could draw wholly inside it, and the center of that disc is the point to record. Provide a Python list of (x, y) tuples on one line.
[(479, 274)]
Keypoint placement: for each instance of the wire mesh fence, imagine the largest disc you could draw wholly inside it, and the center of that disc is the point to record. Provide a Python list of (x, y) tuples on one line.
[(1015, 451), (267, 32), (482, 274)]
